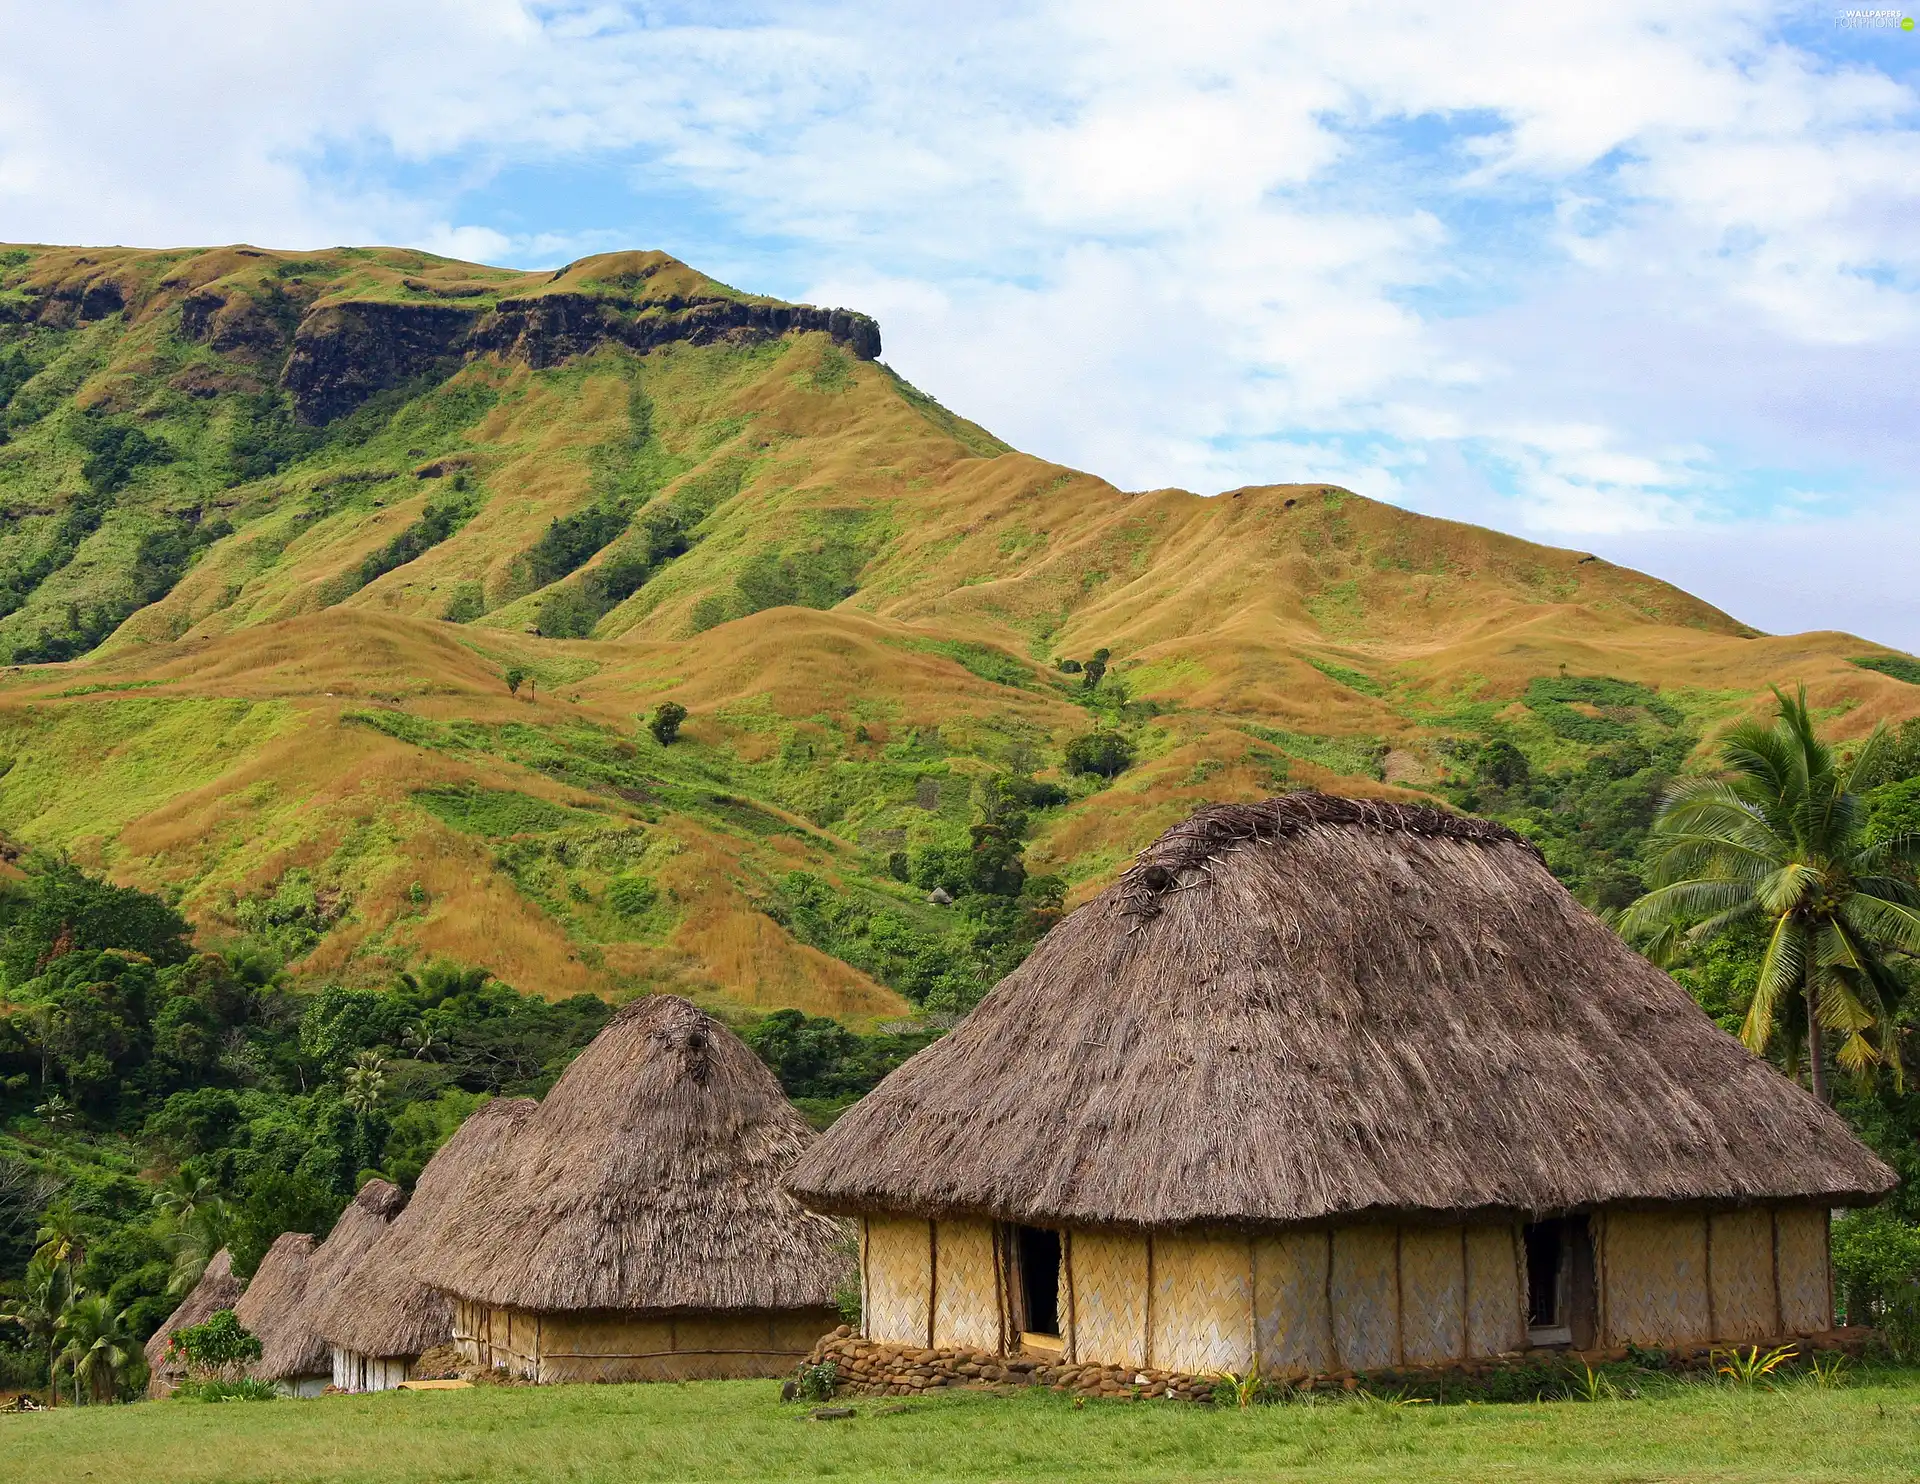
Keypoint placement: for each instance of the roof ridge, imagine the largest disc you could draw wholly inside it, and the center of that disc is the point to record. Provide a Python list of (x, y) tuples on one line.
[(1204, 836)]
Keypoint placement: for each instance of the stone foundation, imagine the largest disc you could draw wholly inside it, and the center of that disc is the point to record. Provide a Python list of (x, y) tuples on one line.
[(869, 1368)]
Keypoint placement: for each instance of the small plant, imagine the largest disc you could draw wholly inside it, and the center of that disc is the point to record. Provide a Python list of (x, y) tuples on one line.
[(1751, 1367), (665, 722), (515, 677), (1589, 1385), (1240, 1391), (1826, 1372), (246, 1389), (816, 1383), (1395, 1401)]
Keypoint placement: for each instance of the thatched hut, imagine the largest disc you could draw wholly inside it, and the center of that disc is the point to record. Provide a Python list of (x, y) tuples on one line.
[(296, 1280), (1324, 1085), (381, 1323), (217, 1289), (635, 1227)]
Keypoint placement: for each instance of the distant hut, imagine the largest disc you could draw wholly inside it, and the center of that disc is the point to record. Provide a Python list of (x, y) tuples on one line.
[(296, 1280), (1324, 1085), (635, 1227), (217, 1289), (381, 1323)]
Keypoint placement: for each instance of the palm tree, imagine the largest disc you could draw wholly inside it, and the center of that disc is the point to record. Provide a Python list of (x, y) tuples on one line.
[(197, 1220), (48, 1294), (1781, 839), (95, 1348), (364, 1081)]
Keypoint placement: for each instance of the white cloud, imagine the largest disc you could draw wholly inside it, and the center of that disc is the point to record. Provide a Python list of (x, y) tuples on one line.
[(1599, 266)]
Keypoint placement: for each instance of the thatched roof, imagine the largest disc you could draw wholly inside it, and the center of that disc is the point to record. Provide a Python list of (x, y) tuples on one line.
[(649, 1178), (385, 1310), (297, 1279), (217, 1289), (1318, 1007)]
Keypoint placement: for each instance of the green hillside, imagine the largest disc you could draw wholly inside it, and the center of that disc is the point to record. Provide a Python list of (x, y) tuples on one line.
[(278, 528)]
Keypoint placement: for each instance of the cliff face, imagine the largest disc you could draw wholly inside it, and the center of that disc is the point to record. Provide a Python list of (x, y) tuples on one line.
[(339, 327)]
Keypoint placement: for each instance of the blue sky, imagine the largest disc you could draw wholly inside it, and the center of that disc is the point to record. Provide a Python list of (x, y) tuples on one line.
[(1638, 278)]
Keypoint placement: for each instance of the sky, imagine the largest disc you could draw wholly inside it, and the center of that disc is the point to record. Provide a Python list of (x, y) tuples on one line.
[(1637, 278)]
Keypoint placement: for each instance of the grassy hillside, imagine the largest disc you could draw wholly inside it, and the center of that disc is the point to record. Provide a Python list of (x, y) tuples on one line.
[(275, 529)]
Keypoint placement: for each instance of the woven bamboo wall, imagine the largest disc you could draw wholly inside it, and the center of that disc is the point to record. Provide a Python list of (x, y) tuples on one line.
[(896, 1257), (1109, 1309), (1433, 1294), (966, 1313), (353, 1371), (1496, 1312), (1201, 1319), (1740, 1270), (1806, 1280), (1366, 1329), (1294, 1329), (1655, 1266)]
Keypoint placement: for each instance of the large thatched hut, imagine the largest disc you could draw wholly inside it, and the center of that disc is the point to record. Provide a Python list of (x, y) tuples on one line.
[(217, 1289), (635, 1226), (381, 1323), (296, 1280), (1325, 1085)]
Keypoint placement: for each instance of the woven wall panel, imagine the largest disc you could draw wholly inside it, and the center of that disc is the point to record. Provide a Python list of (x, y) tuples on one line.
[(1806, 1288), (1109, 1298), (1433, 1294), (1290, 1302), (1656, 1277), (1202, 1318), (1740, 1260), (1366, 1331), (967, 1296), (899, 1270), (1496, 1319)]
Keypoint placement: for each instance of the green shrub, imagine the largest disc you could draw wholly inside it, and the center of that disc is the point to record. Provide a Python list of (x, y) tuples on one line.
[(246, 1389), (218, 1347), (1100, 754), (1876, 1268), (665, 722), (1898, 666), (632, 896)]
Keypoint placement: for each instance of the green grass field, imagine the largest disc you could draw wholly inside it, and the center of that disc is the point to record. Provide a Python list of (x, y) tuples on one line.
[(738, 1431)]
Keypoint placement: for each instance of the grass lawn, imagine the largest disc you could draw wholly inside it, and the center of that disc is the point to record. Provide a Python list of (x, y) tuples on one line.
[(738, 1431)]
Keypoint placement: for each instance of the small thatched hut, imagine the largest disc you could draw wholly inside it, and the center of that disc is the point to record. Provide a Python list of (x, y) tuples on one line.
[(635, 1227), (381, 1322), (217, 1289), (1325, 1085), (296, 1280)]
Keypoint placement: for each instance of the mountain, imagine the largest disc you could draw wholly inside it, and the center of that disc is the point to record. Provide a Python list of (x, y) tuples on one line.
[(338, 587)]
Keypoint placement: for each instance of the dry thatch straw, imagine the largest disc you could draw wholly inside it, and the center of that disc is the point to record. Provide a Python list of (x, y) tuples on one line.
[(1317, 1007), (648, 1179), (385, 1310), (217, 1289), (296, 1280)]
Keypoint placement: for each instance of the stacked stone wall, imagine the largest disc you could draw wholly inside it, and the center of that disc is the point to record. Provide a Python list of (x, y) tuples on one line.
[(871, 1368)]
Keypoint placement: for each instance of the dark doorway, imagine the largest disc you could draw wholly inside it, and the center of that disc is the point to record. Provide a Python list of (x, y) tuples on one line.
[(1037, 1255), (1543, 1275), (1563, 1304)]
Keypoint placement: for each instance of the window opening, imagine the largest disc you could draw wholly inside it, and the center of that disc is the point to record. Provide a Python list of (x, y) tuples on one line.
[(1038, 1251)]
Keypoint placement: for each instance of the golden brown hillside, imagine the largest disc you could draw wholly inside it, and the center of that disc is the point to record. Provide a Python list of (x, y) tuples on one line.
[(297, 517)]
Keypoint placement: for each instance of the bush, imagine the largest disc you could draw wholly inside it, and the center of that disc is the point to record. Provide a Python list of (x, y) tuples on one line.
[(1100, 754), (246, 1389), (665, 722), (631, 896), (1876, 1268), (219, 1347)]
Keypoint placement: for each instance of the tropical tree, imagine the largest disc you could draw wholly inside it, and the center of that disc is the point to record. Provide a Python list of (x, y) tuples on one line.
[(365, 1080), (95, 1348), (1780, 838), (197, 1221), (46, 1295)]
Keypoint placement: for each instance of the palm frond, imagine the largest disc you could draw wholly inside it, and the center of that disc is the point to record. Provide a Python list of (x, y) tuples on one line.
[(1782, 970)]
